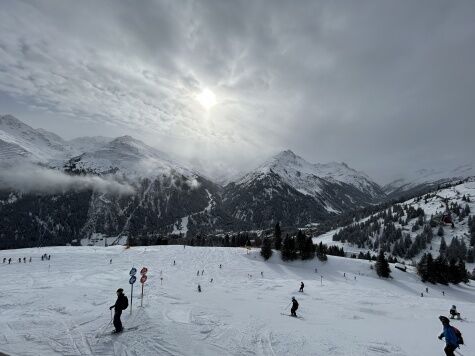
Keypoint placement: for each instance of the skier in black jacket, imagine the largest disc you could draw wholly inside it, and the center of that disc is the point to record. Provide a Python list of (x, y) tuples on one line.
[(120, 304), (295, 306), (301, 287)]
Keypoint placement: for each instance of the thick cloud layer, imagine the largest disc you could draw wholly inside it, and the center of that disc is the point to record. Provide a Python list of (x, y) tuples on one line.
[(31, 178), (385, 86)]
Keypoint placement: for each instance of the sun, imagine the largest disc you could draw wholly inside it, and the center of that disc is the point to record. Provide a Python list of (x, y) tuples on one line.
[(207, 99)]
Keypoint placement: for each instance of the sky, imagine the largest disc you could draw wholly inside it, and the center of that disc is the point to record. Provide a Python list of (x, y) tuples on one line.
[(385, 86)]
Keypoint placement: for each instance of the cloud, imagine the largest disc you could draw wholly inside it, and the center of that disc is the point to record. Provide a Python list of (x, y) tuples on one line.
[(30, 178), (378, 85)]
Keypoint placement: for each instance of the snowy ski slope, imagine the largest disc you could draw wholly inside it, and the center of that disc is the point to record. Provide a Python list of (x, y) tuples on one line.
[(60, 307)]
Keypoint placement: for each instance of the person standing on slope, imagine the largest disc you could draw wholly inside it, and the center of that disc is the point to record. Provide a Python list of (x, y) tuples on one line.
[(454, 313), (120, 304), (301, 287), (449, 333), (295, 306)]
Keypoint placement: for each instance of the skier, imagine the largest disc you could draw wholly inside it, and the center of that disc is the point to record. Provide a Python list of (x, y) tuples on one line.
[(220, 266), (295, 306), (19, 260), (211, 280), (199, 288), (24, 259), (4, 259), (427, 290), (110, 261), (198, 273), (262, 274), (9, 260), (30, 259), (301, 287), (120, 304), (451, 339), (174, 262), (202, 272), (443, 293), (454, 313)]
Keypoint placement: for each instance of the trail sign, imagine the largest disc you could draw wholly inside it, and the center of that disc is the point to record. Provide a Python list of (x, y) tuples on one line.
[(144, 270), (143, 279), (132, 280), (133, 271)]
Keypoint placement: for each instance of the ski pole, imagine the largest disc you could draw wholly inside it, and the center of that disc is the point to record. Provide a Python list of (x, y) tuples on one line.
[(288, 305)]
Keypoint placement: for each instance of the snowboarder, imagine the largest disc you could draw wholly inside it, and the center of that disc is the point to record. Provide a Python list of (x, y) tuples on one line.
[(120, 304), (454, 313), (450, 334), (301, 287), (199, 288), (295, 306)]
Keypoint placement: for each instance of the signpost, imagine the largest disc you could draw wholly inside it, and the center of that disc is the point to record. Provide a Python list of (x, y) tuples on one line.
[(132, 280), (143, 279)]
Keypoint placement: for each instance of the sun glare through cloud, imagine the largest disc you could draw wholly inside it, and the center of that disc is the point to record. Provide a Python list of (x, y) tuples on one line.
[(207, 99)]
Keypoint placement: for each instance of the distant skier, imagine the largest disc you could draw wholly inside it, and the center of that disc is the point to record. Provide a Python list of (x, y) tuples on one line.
[(211, 280), (422, 294), (454, 313), (453, 337), (427, 290), (262, 274), (4, 259), (120, 304), (443, 293), (199, 288), (24, 259), (301, 287), (202, 272), (198, 273), (220, 265), (9, 260), (30, 259), (110, 261), (295, 306), (19, 260), (174, 263)]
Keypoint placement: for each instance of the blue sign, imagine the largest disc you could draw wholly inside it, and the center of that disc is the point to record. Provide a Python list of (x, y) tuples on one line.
[(133, 271), (132, 280)]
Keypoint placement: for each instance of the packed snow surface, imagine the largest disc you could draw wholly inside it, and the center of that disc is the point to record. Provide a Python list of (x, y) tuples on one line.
[(61, 306)]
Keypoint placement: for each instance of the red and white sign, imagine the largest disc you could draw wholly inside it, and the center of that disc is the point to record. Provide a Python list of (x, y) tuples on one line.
[(143, 279), (144, 270)]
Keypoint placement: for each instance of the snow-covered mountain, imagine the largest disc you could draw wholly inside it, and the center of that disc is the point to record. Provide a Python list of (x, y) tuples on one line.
[(287, 188), (307, 177), (415, 226), (19, 140), (424, 179)]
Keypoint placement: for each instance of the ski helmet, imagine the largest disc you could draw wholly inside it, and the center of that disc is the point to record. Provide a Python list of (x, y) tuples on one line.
[(120, 290)]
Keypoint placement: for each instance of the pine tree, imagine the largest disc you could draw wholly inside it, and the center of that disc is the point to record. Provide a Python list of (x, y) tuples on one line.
[(382, 266), (440, 232), (277, 237), (443, 246), (301, 244), (288, 249), (266, 250)]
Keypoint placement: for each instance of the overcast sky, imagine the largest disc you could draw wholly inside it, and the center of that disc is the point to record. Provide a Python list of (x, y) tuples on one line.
[(385, 86)]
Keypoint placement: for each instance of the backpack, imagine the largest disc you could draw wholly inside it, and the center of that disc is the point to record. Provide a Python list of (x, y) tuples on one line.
[(125, 303), (459, 335)]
